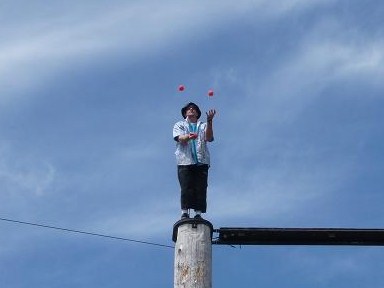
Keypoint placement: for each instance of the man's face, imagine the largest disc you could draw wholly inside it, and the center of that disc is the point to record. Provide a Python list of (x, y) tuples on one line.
[(191, 111)]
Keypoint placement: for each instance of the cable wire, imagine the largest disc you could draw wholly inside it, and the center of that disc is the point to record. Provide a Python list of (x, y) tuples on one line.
[(84, 232)]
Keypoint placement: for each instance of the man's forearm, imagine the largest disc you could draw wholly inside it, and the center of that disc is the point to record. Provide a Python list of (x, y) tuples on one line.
[(209, 131)]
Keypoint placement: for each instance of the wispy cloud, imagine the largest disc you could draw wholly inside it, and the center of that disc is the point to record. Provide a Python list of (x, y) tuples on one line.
[(87, 112), (294, 175), (39, 51), (30, 177)]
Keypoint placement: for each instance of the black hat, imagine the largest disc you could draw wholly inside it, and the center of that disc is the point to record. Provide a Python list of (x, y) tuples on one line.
[(184, 109)]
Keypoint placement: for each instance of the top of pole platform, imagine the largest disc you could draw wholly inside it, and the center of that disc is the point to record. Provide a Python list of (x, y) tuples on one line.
[(194, 222)]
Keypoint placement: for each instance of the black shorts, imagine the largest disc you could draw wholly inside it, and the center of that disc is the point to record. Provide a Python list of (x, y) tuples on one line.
[(193, 183)]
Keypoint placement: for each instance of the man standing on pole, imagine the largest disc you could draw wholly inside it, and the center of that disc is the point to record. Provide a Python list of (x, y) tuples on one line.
[(192, 156)]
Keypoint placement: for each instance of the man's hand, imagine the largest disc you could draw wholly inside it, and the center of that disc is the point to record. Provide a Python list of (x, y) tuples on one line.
[(192, 135), (186, 137), (210, 114)]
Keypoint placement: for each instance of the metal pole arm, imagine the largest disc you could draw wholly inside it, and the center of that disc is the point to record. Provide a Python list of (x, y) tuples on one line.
[(300, 236)]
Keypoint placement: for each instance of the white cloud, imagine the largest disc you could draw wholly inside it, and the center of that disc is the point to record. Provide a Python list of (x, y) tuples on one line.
[(136, 223), (270, 193), (298, 175), (24, 175), (331, 52), (34, 52), (347, 262)]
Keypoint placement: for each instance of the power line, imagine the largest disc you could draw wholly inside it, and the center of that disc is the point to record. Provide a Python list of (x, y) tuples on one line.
[(84, 232)]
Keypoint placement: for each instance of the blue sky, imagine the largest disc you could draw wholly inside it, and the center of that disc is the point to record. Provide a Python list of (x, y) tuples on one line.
[(88, 99)]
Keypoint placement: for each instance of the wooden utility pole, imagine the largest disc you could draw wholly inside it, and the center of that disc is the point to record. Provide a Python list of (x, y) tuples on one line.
[(193, 253)]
